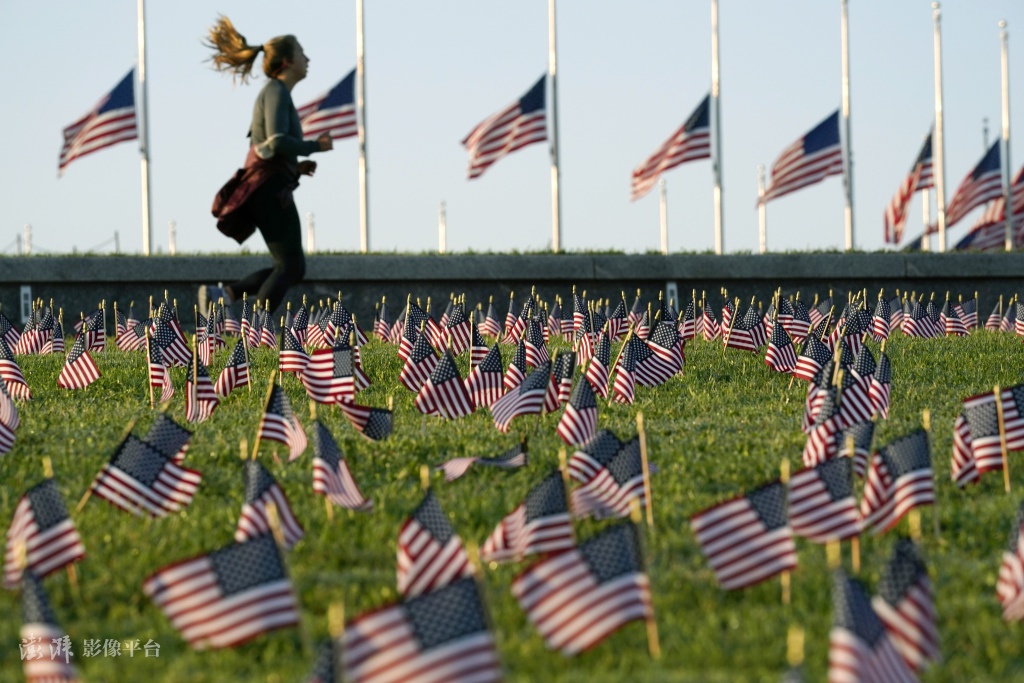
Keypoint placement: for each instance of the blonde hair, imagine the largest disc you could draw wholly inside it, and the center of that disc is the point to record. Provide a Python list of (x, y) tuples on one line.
[(232, 53)]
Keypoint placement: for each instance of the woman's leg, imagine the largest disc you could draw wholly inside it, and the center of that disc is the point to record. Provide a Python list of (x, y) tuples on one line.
[(279, 223)]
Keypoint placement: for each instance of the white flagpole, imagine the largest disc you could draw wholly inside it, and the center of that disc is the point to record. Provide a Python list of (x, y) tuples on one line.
[(848, 150), (663, 205), (1007, 198), (556, 209), (938, 144), (716, 137), (926, 210), (762, 211), (142, 108), (364, 206)]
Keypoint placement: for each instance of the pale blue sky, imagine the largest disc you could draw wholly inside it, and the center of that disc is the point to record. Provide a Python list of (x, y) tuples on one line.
[(629, 74)]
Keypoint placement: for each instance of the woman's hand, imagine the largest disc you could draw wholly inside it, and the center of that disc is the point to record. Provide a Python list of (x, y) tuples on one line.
[(325, 142), (307, 167)]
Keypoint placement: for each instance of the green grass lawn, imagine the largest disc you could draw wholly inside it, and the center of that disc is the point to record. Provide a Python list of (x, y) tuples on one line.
[(722, 429)]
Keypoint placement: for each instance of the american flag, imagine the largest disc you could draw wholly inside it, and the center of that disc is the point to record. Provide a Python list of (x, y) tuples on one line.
[(39, 625), (510, 321), (517, 367), (533, 342), (292, 357), (415, 318), (822, 506), (780, 356), (50, 538), (484, 381), (709, 324), (642, 329), (168, 438), (134, 337), (900, 478), (79, 369), (799, 326), (11, 373), (600, 364), (9, 420), (228, 596), (617, 323), (376, 424), (1005, 325), (280, 424), (171, 342), (579, 421), (953, 325), (526, 399), (995, 317), (159, 375), (906, 605), (518, 125), (260, 491), (687, 323), (541, 524), (968, 312), (983, 184), (139, 479), (591, 457), (268, 335), (576, 598), (444, 393), (692, 141), (491, 326), (828, 422), (895, 315), (419, 364), (610, 490), (919, 178), (623, 388), (862, 434), (430, 553), (513, 458), (982, 442), (331, 476), (235, 373), (859, 647), (554, 319), (989, 232), (880, 320), (329, 375), (441, 636), (333, 112), (669, 355), (809, 160), (1010, 586), (747, 539), (636, 311), (964, 468), (112, 120), (459, 329), (477, 349), (300, 323), (382, 325), (8, 332), (55, 344), (95, 332), (743, 334), (560, 386)]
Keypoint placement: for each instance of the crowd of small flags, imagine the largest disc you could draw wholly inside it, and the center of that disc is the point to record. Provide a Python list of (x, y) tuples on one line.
[(576, 592)]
